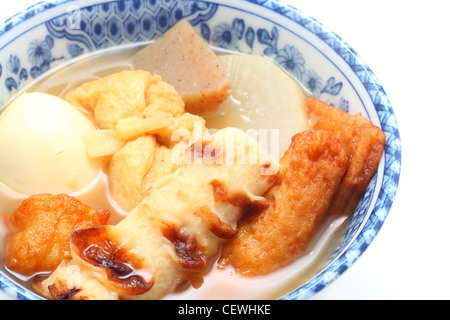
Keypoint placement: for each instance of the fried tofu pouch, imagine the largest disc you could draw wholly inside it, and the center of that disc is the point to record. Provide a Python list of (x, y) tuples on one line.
[(310, 174), (41, 227), (365, 142), (171, 236), (126, 94), (127, 170)]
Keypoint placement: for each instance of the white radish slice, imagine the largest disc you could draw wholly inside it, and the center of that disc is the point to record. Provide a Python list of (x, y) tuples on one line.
[(265, 102)]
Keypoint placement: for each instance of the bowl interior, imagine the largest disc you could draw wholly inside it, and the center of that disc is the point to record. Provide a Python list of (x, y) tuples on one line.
[(49, 35)]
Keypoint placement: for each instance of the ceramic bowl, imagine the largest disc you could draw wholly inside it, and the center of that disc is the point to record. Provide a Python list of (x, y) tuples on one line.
[(49, 34)]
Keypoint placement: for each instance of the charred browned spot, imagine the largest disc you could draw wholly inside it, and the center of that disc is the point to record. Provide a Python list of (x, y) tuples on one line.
[(204, 151), (240, 199), (190, 256), (217, 226), (124, 270), (60, 291), (40, 278), (269, 172), (187, 279)]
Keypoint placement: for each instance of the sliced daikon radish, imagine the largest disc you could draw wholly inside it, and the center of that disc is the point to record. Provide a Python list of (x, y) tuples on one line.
[(265, 102)]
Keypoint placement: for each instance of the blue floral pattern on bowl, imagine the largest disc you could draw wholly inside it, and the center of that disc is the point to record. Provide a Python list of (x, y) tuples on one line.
[(74, 31), (119, 22)]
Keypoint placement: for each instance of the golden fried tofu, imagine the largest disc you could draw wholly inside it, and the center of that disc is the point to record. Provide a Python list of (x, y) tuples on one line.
[(161, 96), (126, 94), (365, 143), (309, 176), (127, 169), (41, 228), (164, 162), (113, 97)]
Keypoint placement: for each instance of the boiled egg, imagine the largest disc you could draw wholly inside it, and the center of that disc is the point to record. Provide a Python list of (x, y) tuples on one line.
[(42, 148)]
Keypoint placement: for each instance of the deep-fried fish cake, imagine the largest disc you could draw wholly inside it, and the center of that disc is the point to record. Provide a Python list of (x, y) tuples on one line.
[(310, 173), (365, 143), (41, 229)]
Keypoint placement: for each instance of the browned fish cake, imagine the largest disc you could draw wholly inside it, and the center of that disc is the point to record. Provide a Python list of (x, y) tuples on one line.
[(41, 229), (310, 173), (365, 143)]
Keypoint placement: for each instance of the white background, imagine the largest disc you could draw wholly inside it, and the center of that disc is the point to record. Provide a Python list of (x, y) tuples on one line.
[(405, 43)]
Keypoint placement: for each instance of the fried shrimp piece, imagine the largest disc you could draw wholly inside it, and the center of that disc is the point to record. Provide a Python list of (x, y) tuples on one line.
[(310, 173), (41, 229), (170, 237), (365, 143)]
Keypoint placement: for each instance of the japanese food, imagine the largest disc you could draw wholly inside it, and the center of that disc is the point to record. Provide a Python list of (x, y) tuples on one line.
[(149, 182), (325, 171), (278, 96), (310, 173), (180, 54), (42, 226), (172, 234), (365, 143), (48, 132)]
